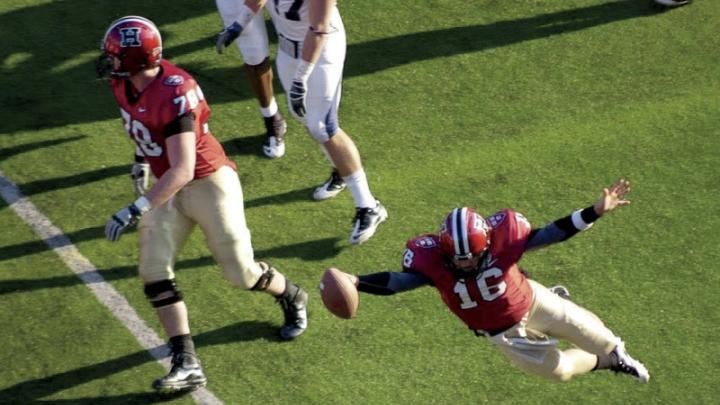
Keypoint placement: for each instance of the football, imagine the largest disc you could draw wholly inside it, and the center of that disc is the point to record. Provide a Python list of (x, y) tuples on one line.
[(339, 293)]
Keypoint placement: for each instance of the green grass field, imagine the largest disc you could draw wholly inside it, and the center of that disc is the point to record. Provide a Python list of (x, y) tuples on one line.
[(530, 104)]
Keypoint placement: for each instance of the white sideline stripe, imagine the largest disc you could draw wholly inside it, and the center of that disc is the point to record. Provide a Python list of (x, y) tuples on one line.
[(88, 273)]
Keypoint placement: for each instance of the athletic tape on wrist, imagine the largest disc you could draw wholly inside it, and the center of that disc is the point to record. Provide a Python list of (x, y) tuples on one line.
[(142, 204), (304, 68)]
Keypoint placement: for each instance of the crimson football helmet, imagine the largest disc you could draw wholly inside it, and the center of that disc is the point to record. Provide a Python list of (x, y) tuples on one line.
[(464, 234), (135, 42)]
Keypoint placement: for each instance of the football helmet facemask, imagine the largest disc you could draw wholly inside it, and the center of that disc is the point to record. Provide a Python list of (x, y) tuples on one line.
[(464, 235), (130, 45)]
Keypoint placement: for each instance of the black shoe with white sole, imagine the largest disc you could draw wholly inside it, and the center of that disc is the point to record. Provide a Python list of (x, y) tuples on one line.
[(186, 374), (294, 305), (332, 187), (366, 222), (623, 363), (274, 145)]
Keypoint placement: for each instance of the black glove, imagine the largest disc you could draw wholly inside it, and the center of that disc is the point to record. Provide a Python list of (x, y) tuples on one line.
[(297, 98), (227, 36)]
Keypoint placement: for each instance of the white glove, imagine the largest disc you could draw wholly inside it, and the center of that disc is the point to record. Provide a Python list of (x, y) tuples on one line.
[(140, 175), (126, 218)]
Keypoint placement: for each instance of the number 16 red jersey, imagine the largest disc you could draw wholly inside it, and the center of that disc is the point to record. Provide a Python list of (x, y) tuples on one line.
[(495, 298)]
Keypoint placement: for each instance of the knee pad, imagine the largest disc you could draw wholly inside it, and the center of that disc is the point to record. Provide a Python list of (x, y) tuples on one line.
[(268, 273), (163, 293)]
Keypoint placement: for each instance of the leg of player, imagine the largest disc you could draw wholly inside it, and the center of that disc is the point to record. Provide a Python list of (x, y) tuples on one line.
[(369, 212), (260, 77), (292, 299), (562, 318), (186, 374), (217, 205), (333, 185)]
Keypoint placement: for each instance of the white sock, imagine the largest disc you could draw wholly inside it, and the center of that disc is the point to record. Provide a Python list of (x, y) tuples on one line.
[(360, 189), (270, 110)]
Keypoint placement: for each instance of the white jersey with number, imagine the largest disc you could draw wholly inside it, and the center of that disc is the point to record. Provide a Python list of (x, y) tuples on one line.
[(291, 18), (291, 21)]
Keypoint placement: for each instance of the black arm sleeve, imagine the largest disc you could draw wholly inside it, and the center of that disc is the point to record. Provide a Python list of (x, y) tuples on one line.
[(560, 230), (391, 282), (183, 123)]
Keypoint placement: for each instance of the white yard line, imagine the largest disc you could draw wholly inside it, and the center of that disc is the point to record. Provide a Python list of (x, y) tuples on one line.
[(88, 273)]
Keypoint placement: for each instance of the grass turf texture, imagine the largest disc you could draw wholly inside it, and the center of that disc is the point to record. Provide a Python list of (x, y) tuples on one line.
[(534, 105)]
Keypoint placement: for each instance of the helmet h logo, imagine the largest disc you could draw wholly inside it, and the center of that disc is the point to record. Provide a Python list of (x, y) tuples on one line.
[(130, 37)]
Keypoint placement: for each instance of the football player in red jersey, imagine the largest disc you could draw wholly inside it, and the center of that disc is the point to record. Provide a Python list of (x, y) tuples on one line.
[(166, 115), (473, 263)]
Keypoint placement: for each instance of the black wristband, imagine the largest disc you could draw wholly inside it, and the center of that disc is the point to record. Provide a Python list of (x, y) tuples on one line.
[(589, 215), (139, 159)]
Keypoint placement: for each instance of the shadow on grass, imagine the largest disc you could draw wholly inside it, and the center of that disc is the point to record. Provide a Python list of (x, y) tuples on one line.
[(315, 250), (33, 390), (36, 93), (234, 147), (19, 149), (56, 87)]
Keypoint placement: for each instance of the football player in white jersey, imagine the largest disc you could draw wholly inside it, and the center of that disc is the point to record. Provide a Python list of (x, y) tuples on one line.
[(312, 44), (255, 51)]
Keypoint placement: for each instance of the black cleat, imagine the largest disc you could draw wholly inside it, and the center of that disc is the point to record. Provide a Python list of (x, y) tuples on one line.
[(366, 222), (185, 375), (294, 306), (332, 187)]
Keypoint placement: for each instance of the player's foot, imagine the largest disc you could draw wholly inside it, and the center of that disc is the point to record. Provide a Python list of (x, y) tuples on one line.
[(332, 187), (623, 363), (671, 3), (276, 127), (185, 375), (294, 308), (561, 291), (366, 222)]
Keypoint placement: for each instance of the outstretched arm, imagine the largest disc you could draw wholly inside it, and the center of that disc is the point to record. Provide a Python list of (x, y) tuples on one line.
[(566, 227), (390, 282)]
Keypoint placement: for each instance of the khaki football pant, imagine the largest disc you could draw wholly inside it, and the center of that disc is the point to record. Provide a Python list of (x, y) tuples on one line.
[(555, 317), (216, 204)]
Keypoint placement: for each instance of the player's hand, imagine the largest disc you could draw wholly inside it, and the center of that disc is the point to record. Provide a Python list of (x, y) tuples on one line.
[(613, 197), (140, 175), (122, 220), (297, 99), (227, 36)]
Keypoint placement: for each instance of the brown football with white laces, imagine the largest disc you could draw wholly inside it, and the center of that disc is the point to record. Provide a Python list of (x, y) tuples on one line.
[(338, 293)]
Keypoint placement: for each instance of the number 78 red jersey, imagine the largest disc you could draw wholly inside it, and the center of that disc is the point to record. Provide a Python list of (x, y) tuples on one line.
[(499, 295), (148, 116)]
